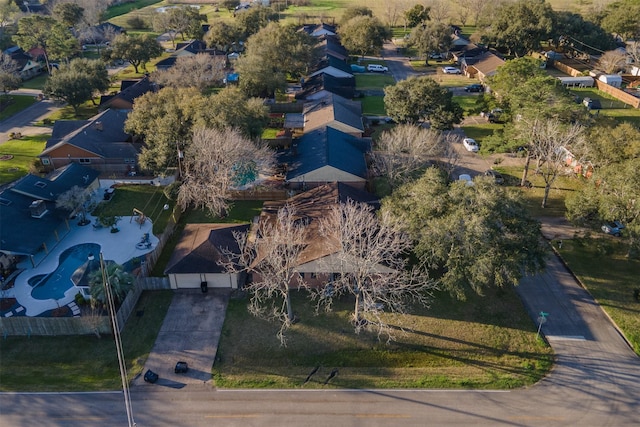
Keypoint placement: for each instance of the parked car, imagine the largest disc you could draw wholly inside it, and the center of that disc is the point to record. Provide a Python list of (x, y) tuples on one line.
[(466, 178), (474, 88), (451, 70), (613, 227), (358, 68), (377, 68), (497, 176), (436, 55), (592, 104), (470, 144)]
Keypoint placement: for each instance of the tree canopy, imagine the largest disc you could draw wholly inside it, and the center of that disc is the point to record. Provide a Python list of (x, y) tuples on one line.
[(250, 21), (44, 32), (9, 77), (470, 237), (200, 71), (519, 27), (416, 15), (222, 35), (364, 35), (138, 50), (76, 82), (418, 99), (431, 38), (353, 11)]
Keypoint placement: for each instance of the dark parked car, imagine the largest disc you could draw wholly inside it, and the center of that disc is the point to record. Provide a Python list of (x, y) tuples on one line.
[(592, 104), (474, 88), (497, 176)]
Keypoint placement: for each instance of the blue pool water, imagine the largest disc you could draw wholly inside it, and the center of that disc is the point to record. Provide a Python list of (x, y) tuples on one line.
[(56, 283)]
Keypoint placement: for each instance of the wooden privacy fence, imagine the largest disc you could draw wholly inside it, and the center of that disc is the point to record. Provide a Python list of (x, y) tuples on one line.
[(52, 326)]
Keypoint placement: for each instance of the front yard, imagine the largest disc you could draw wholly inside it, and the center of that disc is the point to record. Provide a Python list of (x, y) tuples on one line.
[(18, 155)]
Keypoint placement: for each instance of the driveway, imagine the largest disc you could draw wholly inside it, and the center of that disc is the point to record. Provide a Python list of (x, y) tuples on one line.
[(190, 333), (24, 121)]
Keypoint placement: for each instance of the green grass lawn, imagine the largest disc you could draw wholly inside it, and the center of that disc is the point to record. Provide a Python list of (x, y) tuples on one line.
[(483, 343), (82, 363), (242, 211), (124, 8), (468, 103), (36, 82), (371, 81), (147, 198), (373, 105), (24, 152), (13, 104), (85, 111), (478, 132), (602, 266)]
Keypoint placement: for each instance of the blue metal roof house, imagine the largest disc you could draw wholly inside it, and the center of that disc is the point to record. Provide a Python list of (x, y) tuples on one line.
[(327, 155)]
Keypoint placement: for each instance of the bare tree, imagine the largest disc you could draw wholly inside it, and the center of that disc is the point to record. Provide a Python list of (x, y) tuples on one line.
[(200, 71), (550, 141), (74, 200), (439, 11), (633, 49), (475, 8), (271, 256), (216, 161), (9, 74), (407, 148), (370, 264), (612, 61)]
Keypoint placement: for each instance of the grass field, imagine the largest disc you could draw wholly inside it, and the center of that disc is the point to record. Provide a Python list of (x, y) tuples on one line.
[(24, 152), (149, 199), (82, 363), (482, 343), (373, 106), (36, 82), (372, 81)]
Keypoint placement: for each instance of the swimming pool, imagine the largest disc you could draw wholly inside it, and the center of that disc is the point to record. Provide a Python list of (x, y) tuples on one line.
[(72, 264)]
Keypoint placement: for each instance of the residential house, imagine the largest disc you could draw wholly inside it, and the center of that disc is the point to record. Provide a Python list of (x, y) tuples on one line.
[(100, 143), (330, 46), (336, 112), (31, 223), (326, 155), (191, 48), (100, 34), (334, 67), (481, 66), (129, 91), (469, 50), (320, 259), (201, 256), (321, 85), (320, 30), (28, 67)]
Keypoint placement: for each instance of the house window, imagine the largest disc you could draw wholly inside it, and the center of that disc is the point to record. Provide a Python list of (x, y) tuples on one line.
[(314, 276), (84, 161), (45, 161), (302, 275)]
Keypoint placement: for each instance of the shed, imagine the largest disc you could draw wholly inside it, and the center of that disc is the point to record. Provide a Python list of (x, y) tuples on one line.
[(614, 80), (581, 81)]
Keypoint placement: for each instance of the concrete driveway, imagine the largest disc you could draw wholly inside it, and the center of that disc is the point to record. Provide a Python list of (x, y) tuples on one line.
[(190, 333)]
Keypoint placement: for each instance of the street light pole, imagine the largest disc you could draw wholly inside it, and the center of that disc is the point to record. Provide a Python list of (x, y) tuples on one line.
[(116, 336)]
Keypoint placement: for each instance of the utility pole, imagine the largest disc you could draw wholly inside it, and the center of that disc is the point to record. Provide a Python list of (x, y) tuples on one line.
[(116, 337)]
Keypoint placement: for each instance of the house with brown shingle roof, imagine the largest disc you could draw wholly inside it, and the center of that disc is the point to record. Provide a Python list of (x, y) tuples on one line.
[(481, 66), (336, 112)]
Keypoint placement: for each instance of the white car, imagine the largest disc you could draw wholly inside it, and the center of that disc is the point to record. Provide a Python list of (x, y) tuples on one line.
[(377, 68), (470, 144), (466, 178), (451, 70)]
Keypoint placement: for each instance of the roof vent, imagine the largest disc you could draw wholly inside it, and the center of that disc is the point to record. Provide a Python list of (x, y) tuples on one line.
[(40, 184), (98, 126), (38, 208)]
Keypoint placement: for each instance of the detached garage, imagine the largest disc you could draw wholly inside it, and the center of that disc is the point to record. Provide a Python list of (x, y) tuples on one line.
[(199, 254)]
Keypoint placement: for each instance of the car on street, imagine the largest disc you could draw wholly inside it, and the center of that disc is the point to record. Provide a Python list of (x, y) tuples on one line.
[(613, 227), (474, 88), (497, 176), (451, 70), (377, 68), (470, 144), (466, 178)]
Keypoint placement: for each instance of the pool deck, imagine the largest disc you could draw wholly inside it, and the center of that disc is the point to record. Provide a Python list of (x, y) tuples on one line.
[(119, 247)]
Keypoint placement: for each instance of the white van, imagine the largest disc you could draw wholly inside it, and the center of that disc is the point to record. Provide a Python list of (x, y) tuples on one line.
[(377, 68)]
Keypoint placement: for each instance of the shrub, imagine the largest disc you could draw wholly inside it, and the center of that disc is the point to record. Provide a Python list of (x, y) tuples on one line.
[(137, 23), (80, 299), (171, 190)]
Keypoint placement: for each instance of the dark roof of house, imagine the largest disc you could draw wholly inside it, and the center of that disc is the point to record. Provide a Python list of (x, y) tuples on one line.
[(331, 46), (333, 108), (341, 86), (201, 247), (313, 206), (102, 135), (167, 62), (326, 146), (20, 233), (20, 56), (129, 91), (310, 29), (332, 61), (56, 183)]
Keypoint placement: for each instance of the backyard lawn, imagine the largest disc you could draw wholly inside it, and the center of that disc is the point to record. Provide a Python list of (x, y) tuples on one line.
[(146, 198), (20, 154), (372, 81), (373, 105), (483, 343), (82, 363)]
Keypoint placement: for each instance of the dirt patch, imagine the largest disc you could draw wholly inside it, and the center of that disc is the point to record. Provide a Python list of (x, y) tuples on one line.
[(6, 157)]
